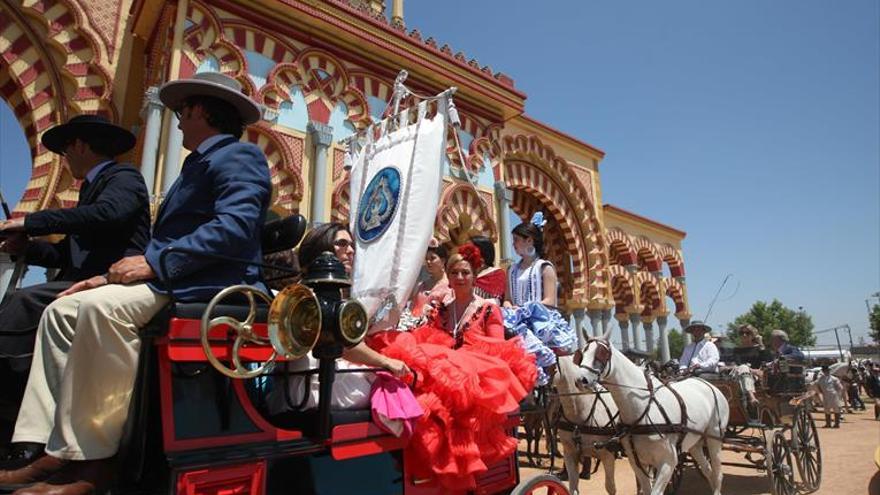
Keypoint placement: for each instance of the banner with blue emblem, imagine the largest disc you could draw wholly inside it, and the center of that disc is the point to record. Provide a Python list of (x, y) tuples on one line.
[(395, 190)]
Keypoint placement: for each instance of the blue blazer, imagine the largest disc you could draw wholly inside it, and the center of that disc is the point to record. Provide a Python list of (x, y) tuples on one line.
[(110, 221), (216, 206)]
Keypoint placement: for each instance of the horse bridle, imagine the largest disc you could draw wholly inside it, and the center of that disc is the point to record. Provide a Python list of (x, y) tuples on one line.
[(602, 356)]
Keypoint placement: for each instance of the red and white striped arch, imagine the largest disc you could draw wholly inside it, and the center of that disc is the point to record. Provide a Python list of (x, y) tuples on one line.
[(672, 257), (650, 294), (324, 83), (49, 69), (677, 292), (461, 200), (525, 177), (647, 254), (341, 202), (531, 166), (620, 248), (287, 186), (246, 37), (622, 287)]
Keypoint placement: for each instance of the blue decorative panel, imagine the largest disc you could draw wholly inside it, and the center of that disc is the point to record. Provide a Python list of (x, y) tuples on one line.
[(293, 113), (342, 127), (377, 107), (210, 64), (259, 66)]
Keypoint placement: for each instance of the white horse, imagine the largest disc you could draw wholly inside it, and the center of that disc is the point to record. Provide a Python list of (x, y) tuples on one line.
[(582, 407), (642, 400)]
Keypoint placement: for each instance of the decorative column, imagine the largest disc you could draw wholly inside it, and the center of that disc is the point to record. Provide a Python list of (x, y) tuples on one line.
[(595, 319), (579, 328), (635, 319), (623, 323), (172, 154), (606, 319), (322, 136), (664, 339), (684, 323), (505, 197), (152, 115), (649, 335)]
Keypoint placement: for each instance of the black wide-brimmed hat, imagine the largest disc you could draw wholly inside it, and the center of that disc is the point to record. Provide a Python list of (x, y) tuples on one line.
[(221, 86), (58, 137)]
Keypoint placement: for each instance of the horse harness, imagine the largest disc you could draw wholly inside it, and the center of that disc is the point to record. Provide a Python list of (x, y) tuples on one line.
[(603, 356)]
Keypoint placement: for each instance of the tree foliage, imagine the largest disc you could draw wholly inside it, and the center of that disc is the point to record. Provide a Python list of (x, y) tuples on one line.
[(767, 317), (676, 343), (874, 321)]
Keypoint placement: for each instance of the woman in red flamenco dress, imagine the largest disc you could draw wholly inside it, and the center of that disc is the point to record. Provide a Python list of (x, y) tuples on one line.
[(467, 380)]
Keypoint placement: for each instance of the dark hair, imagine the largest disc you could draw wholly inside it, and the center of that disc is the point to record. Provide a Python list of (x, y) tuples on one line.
[(219, 114), (486, 247), (318, 240), (528, 229), (440, 251)]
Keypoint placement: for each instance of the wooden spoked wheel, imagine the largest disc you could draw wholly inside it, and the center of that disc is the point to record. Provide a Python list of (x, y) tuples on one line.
[(780, 469), (545, 484), (805, 446)]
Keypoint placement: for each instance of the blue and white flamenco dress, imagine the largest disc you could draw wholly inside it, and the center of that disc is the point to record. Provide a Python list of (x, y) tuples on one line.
[(544, 331)]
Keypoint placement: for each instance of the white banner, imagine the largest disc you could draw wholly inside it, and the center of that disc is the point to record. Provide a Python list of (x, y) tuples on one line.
[(395, 190)]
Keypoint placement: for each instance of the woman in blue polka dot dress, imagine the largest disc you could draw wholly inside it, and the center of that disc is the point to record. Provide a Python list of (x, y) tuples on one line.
[(530, 305)]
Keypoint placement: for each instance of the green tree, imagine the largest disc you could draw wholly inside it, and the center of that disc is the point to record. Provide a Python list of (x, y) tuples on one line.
[(676, 343), (874, 321), (767, 317)]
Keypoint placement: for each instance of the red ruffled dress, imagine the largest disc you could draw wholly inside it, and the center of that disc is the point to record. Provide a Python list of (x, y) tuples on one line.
[(467, 386)]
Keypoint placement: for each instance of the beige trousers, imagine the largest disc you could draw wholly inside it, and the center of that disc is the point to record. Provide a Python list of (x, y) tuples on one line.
[(83, 372)]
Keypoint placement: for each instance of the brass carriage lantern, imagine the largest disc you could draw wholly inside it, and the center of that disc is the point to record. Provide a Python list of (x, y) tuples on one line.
[(314, 316)]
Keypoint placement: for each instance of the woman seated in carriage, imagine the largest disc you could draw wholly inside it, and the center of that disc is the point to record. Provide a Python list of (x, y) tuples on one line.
[(468, 380), (467, 377), (530, 306)]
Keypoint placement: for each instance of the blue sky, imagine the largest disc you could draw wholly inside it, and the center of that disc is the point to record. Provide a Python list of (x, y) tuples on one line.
[(752, 125)]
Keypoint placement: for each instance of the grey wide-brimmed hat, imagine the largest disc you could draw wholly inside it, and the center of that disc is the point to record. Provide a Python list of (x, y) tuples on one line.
[(697, 324), (57, 138), (215, 84)]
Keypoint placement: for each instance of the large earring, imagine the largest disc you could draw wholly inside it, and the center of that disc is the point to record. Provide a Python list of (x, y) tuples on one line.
[(531, 251)]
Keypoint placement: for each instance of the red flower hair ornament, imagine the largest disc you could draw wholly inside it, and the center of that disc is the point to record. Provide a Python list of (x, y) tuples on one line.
[(472, 255)]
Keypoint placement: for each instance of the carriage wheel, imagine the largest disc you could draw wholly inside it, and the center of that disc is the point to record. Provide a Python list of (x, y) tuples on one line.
[(545, 484), (806, 450), (779, 466)]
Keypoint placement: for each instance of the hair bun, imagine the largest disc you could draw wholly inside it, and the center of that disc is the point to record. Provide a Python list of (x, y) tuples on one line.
[(472, 255)]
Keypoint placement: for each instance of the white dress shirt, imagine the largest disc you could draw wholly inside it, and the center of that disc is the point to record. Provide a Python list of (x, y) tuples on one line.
[(703, 354)]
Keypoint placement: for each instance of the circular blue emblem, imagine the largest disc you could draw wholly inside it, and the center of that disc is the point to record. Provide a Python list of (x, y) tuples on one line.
[(378, 204)]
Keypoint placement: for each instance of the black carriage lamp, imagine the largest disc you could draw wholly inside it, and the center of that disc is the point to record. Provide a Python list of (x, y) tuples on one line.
[(315, 316)]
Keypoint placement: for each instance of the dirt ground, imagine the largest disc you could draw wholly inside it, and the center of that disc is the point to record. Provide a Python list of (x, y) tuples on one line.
[(847, 465)]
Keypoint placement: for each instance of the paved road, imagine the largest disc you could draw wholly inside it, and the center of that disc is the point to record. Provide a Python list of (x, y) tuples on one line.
[(847, 458)]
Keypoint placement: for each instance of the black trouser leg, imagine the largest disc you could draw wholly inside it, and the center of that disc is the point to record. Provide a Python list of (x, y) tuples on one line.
[(20, 313)]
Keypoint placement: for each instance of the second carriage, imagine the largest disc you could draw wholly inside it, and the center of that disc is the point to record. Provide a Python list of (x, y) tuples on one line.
[(777, 435)]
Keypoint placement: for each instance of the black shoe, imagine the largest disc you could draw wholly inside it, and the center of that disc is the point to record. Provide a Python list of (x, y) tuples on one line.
[(19, 455)]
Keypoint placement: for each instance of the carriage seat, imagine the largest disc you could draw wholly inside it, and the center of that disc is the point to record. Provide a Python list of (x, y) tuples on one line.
[(276, 236), (307, 421)]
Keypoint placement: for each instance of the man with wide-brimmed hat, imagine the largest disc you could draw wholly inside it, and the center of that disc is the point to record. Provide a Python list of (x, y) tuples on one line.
[(701, 355), (111, 220), (215, 207)]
